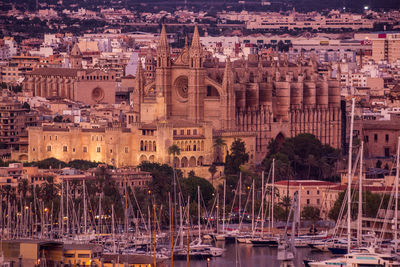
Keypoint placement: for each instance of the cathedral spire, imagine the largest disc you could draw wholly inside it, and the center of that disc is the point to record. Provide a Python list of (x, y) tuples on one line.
[(196, 51), (228, 97), (196, 38), (139, 81), (163, 53), (227, 81), (163, 38)]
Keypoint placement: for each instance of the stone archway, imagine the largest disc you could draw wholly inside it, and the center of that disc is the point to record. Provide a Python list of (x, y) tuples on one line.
[(192, 161), (142, 158), (184, 162), (177, 162), (152, 158), (200, 161)]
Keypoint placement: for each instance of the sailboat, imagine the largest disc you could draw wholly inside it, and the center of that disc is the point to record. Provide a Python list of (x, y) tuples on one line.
[(268, 240), (196, 250)]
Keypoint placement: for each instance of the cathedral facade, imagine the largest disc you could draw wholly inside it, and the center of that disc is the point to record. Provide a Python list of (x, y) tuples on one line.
[(259, 97), (193, 99)]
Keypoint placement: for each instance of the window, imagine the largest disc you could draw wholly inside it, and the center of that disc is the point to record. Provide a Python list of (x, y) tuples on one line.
[(366, 139), (386, 138), (48, 148), (33, 149), (308, 192), (92, 138), (73, 150), (318, 202), (387, 152), (182, 132), (85, 149), (174, 132), (188, 132), (50, 137), (98, 149), (83, 255), (126, 150), (56, 137), (308, 201), (376, 138), (110, 151), (65, 148), (195, 132), (69, 255)]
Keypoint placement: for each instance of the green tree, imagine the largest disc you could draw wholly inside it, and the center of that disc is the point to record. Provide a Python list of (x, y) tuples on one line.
[(236, 157), (174, 150), (49, 163), (302, 157), (189, 187), (58, 118), (219, 145), (212, 170), (23, 187), (310, 213)]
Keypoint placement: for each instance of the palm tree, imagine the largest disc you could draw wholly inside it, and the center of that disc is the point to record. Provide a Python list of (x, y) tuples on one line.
[(174, 150), (219, 143), (212, 170), (23, 187)]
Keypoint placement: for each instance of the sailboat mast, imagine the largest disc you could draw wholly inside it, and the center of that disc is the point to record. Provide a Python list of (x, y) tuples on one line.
[(84, 207), (223, 215), (240, 197), (217, 216), (187, 233), (262, 204), (155, 233), (272, 193), (349, 178), (180, 222), (67, 208), (359, 217), (396, 199), (198, 210), (252, 210), (62, 208)]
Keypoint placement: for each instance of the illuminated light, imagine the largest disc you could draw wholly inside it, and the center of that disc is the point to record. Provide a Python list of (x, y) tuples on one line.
[(366, 7), (26, 207), (46, 210)]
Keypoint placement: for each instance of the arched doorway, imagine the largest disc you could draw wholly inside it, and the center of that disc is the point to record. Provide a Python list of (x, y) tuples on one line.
[(192, 162), (184, 162), (142, 158)]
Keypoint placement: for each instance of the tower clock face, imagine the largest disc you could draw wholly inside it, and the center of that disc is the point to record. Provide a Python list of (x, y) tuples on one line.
[(181, 87)]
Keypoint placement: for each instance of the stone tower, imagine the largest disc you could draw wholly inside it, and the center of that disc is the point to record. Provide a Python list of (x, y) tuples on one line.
[(137, 94), (163, 76), (196, 86), (76, 57), (149, 68)]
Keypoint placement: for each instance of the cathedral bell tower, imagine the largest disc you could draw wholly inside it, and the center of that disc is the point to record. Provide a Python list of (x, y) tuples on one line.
[(197, 73), (76, 57), (163, 77)]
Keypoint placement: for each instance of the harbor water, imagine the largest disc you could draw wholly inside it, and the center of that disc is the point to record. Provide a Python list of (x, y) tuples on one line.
[(246, 255)]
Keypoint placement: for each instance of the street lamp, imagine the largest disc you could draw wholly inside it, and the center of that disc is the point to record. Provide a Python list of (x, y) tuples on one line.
[(208, 262)]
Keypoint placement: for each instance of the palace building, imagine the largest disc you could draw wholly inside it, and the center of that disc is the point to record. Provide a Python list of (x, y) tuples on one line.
[(194, 99), (89, 86)]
